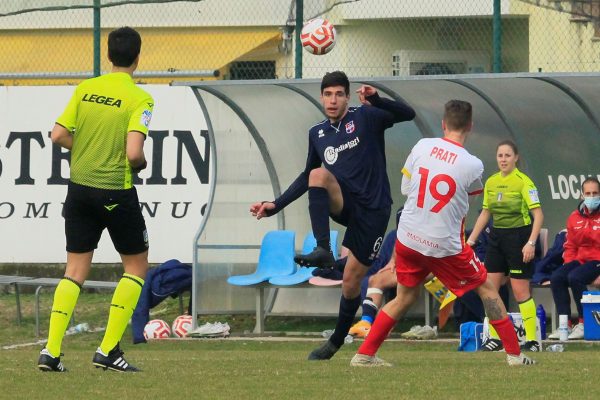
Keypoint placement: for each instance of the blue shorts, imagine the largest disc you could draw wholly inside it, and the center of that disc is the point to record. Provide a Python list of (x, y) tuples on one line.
[(365, 229)]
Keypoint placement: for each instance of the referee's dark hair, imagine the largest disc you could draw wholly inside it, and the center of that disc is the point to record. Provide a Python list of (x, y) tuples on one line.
[(124, 46), (458, 115), (510, 144), (336, 78)]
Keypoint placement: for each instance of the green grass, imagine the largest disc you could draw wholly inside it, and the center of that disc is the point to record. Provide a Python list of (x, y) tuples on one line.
[(251, 368)]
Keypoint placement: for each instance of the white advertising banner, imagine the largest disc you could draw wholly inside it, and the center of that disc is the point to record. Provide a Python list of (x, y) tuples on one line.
[(173, 190)]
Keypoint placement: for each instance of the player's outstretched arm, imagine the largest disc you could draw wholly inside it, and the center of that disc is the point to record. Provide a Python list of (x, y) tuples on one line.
[(295, 190), (365, 91), (399, 110), (262, 209), (268, 208)]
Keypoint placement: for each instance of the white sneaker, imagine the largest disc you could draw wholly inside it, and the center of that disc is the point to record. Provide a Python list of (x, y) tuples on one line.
[(521, 359), (426, 333), (226, 329), (410, 333), (216, 329), (363, 360), (577, 332), (421, 333), (556, 334)]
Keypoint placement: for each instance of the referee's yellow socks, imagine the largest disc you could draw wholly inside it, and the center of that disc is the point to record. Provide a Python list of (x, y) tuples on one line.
[(65, 298), (123, 303), (527, 309)]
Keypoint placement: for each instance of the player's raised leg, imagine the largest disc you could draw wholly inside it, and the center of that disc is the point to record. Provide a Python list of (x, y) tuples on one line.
[(324, 197)]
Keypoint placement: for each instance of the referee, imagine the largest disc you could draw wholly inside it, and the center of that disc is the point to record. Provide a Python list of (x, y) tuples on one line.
[(509, 198), (104, 125)]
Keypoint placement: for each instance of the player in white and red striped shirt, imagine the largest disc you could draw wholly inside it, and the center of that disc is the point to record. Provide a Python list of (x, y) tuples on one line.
[(439, 176)]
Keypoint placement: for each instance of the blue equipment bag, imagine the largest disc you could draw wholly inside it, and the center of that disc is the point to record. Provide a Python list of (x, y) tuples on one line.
[(471, 335)]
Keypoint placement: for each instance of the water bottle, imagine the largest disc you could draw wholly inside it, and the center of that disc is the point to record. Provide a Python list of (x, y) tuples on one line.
[(84, 327), (563, 327), (556, 348), (541, 314)]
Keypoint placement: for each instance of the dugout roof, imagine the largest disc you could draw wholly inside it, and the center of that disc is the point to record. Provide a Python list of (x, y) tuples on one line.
[(258, 132)]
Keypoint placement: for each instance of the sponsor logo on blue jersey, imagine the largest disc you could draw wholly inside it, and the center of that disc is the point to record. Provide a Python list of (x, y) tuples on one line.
[(331, 153)]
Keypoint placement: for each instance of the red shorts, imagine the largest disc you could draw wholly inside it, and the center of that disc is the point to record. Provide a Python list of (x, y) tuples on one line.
[(459, 273)]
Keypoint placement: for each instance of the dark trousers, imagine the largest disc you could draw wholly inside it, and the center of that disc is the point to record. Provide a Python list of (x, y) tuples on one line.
[(574, 275)]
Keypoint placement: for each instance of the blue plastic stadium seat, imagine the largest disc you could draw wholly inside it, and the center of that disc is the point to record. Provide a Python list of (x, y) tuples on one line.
[(303, 274), (276, 258)]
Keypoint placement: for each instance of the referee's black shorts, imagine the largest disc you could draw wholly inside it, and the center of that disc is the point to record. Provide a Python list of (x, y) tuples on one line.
[(504, 252), (89, 210)]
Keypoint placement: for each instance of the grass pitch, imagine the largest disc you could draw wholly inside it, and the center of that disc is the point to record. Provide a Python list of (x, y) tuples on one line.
[(276, 368)]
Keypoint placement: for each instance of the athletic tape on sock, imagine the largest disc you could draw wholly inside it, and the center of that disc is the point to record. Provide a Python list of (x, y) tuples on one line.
[(374, 291)]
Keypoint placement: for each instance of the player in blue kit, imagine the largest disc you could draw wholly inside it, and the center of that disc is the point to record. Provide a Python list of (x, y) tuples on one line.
[(346, 178)]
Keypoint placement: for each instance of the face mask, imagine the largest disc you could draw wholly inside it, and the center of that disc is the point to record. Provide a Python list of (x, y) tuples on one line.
[(592, 203)]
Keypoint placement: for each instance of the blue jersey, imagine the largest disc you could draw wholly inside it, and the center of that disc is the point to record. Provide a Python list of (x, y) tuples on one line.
[(353, 150)]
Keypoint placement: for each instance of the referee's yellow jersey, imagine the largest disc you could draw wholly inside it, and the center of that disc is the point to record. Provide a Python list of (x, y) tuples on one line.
[(99, 115), (509, 199)]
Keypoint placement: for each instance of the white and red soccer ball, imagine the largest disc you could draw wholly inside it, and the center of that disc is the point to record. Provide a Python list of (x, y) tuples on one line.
[(157, 329), (318, 36), (182, 325)]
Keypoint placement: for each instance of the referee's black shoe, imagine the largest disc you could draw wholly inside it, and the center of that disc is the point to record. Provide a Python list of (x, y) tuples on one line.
[(47, 363), (323, 352), (319, 257), (113, 360), (531, 345), (492, 344)]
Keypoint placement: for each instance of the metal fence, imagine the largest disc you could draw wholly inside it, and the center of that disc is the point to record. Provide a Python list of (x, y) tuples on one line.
[(63, 41)]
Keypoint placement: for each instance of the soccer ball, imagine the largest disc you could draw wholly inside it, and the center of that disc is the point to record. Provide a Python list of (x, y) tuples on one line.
[(182, 325), (157, 329), (318, 36)]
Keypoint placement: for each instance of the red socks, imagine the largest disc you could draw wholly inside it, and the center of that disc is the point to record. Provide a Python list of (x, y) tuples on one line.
[(379, 332), (506, 332), (384, 323)]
